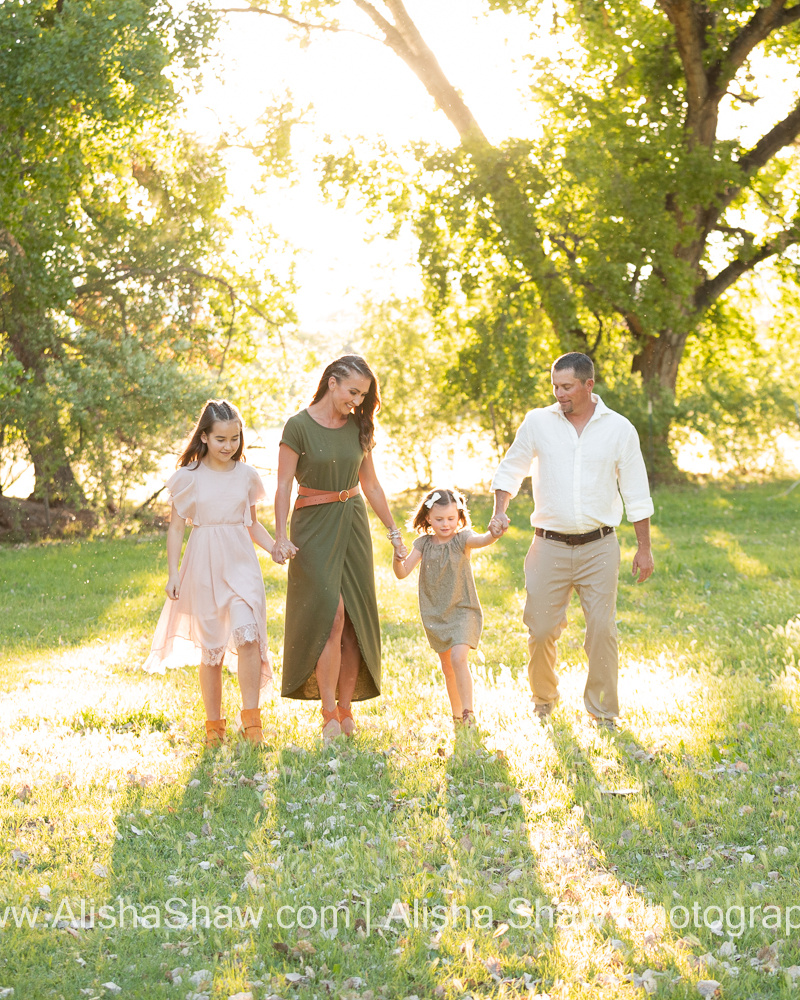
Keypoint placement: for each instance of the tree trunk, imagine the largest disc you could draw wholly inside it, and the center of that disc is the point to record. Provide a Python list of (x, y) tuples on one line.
[(55, 481), (657, 361)]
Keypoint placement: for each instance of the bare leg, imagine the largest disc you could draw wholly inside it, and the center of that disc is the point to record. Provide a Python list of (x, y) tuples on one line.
[(249, 673), (211, 689), (452, 687), (348, 674), (459, 661), (329, 667)]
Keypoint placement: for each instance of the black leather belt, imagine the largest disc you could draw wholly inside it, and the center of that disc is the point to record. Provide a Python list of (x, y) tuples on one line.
[(590, 536)]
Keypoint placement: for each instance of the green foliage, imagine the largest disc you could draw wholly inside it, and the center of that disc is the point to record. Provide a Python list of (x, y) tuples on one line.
[(735, 392), (417, 407), (122, 303)]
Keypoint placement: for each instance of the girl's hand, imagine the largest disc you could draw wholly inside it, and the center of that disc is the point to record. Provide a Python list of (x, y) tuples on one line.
[(282, 550), (498, 524), (173, 587)]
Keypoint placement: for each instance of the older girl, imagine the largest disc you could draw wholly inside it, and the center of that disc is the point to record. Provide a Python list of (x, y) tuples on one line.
[(216, 598)]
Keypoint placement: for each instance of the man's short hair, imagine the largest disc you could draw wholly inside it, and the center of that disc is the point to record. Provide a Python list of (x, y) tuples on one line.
[(581, 364)]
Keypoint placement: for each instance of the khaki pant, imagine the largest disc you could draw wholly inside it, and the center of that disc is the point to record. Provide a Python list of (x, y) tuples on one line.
[(552, 571)]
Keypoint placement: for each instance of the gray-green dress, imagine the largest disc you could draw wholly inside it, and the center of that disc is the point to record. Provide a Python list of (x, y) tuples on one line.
[(334, 557), (448, 601)]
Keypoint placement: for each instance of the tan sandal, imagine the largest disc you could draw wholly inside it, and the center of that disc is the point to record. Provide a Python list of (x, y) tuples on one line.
[(330, 724), (215, 732), (346, 716), (251, 726)]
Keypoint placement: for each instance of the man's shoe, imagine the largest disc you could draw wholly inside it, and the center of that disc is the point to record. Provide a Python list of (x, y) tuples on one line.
[(544, 711)]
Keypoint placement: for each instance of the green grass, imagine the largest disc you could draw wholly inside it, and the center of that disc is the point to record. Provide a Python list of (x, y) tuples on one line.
[(557, 855)]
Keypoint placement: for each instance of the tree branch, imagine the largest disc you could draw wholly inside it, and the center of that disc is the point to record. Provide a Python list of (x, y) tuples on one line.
[(690, 27), (712, 288), (305, 25), (764, 22), (781, 135), (404, 39)]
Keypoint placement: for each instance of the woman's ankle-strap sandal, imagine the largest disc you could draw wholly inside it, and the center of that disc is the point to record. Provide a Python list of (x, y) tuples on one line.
[(330, 724), (215, 732), (346, 720), (251, 726), (468, 719)]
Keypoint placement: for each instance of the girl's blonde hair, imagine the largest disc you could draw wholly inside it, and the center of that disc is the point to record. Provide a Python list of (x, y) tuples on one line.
[(439, 498)]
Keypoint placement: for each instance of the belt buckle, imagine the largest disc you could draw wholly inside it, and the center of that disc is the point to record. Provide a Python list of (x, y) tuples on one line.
[(344, 495)]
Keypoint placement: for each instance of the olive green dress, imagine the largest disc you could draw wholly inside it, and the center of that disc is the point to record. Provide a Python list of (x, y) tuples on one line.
[(334, 557)]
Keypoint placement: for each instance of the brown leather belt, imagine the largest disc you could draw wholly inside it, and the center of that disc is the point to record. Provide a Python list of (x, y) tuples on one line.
[(309, 498), (590, 536)]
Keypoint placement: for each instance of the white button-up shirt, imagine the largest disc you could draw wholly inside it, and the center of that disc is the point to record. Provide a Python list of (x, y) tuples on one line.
[(577, 479)]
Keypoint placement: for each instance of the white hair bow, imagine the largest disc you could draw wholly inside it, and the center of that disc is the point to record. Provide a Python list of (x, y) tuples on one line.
[(432, 500)]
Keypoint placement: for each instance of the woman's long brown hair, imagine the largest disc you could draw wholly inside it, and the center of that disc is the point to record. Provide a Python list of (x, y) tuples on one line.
[(354, 364)]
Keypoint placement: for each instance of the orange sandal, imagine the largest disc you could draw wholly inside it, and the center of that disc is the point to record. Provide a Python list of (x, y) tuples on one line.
[(330, 724), (215, 732), (251, 726), (345, 717)]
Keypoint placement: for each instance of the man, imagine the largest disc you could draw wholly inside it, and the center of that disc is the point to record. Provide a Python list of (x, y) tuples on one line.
[(581, 456)]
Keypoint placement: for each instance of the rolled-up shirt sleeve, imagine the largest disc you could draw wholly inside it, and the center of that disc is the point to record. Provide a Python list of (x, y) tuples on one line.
[(517, 462), (632, 478)]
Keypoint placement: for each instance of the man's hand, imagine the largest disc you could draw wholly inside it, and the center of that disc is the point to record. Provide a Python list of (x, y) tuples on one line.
[(499, 524), (643, 564)]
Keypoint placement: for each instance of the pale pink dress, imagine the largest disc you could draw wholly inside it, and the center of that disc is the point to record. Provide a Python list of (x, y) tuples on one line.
[(222, 604)]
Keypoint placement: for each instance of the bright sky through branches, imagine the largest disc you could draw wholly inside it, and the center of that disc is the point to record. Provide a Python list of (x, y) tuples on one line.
[(357, 88)]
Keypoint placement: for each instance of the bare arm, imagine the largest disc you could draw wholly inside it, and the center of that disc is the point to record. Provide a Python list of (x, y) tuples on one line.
[(643, 560), (499, 523), (373, 491), (259, 533), (403, 567), (481, 541), (287, 466), (175, 532)]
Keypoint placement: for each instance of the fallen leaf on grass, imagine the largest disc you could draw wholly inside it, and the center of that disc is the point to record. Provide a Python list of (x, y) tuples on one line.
[(252, 881), (20, 858), (112, 987), (100, 870), (241, 996), (494, 968)]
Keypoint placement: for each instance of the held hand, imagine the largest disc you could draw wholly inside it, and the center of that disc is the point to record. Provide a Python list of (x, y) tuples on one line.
[(499, 524), (283, 550), (173, 587), (400, 549), (643, 564)]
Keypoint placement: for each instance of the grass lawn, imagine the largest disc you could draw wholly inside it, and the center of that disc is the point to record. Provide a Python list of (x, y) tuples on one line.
[(530, 861)]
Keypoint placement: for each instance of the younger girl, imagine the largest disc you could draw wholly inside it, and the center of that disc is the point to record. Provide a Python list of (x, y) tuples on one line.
[(448, 602), (217, 599)]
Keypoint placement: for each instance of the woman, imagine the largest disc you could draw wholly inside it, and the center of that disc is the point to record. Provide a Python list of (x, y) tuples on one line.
[(332, 645)]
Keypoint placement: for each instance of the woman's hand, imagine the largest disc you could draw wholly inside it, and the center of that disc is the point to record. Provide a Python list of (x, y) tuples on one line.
[(400, 549), (282, 550), (173, 587)]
